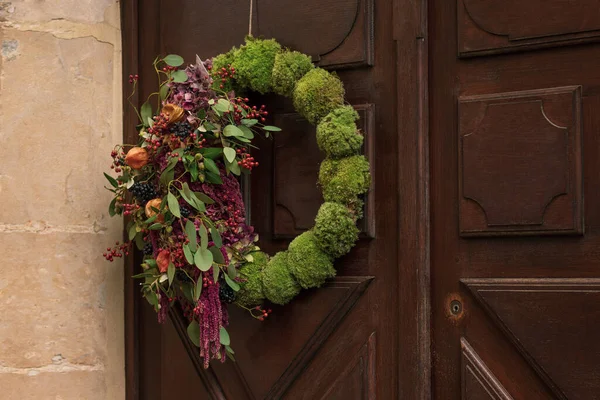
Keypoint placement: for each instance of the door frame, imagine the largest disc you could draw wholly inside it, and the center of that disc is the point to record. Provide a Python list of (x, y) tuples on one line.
[(410, 39)]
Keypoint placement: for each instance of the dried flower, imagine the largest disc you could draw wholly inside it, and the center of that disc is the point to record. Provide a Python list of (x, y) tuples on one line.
[(136, 158), (173, 112), (163, 260)]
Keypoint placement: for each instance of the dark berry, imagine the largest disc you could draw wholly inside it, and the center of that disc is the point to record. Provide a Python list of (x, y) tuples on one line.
[(181, 129), (181, 275), (185, 212), (226, 293), (148, 249), (143, 192)]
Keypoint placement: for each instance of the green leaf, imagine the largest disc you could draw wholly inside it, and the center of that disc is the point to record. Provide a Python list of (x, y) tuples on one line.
[(155, 227), (229, 350), (139, 241), (212, 152), (132, 231), (204, 198), (193, 331), (189, 256), (211, 166), (173, 205), (203, 259), (229, 154), (248, 134), (111, 207), (231, 270), (145, 113), (193, 168), (271, 128), (151, 263), (164, 92), (216, 272), (249, 122), (190, 231), (188, 291), (217, 255), (203, 237), (173, 60), (198, 289), (216, 237), (232, 284), (112, 180), (224, 337), (187, 194), (232, 130), (179, 76), (171, 273), (213, 178), (234, 167), (167, 176), (152, 298)]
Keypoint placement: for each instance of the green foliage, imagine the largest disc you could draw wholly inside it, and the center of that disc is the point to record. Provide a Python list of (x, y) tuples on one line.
[(251, 291), (344, 180), (253, 63), (337, 134), (279, 286), (317, 94), (335, 229), (289, 67), (308, 263)]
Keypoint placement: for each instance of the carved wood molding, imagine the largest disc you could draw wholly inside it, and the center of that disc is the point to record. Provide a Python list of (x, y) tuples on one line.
[(474, 370)]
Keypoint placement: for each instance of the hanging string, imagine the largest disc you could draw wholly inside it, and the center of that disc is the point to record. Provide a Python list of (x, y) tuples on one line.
[(250, 19)]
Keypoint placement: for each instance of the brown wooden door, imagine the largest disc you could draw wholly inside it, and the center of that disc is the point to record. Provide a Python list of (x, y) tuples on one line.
[(514, 150), (338, 342)]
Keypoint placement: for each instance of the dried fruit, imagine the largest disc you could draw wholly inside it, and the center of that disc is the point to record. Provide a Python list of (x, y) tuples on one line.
[(136, 158), (162, 260), (173, 112), (150, 212)]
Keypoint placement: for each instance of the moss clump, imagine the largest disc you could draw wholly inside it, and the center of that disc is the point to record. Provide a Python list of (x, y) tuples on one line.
[(308, 263), (317, 94), (335, 229), (289, 67), (253, 63), (223, 61), (344, 180), (337, 134), (279, 286), (251, 291)]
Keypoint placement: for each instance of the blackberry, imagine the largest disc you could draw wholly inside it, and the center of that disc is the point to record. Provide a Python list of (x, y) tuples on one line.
[(185, 212), (181, 276), (143, 192), (181, 129), (148, 250), (226, 293)]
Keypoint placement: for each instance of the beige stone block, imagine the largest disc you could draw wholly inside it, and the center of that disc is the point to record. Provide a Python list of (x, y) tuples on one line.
[(56, 128), (78, 385), (54, 291), (91, 11)]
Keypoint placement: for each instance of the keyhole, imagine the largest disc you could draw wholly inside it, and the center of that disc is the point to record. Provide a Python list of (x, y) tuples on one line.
[(455, 307)]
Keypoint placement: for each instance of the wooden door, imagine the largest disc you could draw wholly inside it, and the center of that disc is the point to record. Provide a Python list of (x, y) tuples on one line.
[(514, 150), (338, 342)]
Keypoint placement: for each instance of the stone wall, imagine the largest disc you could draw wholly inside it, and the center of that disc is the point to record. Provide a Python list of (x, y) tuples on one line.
[(61, 329)]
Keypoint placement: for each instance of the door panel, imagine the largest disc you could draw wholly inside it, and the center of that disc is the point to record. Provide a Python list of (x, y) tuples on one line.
[(339, 341), (514, 153)]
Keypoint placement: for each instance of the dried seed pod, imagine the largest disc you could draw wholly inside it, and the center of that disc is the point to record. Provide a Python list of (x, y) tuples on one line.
[(137, 157), (154, 203), (173, 112)]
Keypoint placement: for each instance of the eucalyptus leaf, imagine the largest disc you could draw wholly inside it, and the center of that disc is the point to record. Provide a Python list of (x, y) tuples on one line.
[(224, 337), (231, 270), (203, 237), (198, 289), (249, 122), (248, 134), (164, 92), (232, 130), (193, 331), (189, 256), (271, 128), (188, 291), (216, 272), (216, 237), (212, 152), (173, 60), (211, 166), (204, 198), (213, 178), (234, 168), (111, 207), (229, 154), (179, 76), (155, 227), (232, 284), (217, 255), (145, 113), (171, 273), (190, 231), (132, 232), (203, 259), (173, 205), (112, 180)]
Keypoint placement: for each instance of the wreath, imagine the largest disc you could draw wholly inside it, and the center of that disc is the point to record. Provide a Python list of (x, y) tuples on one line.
[(179, 187)]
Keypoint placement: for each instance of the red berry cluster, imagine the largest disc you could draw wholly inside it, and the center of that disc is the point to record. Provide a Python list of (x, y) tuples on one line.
[(262, 313), (240, 106), (246, 160), (118, 160), (133, 78), (224, 74), (235, 217), (117, 251), (168, 68)]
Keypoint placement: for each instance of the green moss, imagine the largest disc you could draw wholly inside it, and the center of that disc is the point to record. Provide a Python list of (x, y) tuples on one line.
[(337, 134), (308, 263), (289, 67), (223, 61), (317, 94), (335, 229), (344, 180), (251, 291), (279, 286), (254, 62)]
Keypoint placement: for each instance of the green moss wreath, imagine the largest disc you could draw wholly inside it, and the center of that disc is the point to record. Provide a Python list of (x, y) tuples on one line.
[(264, 66)]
